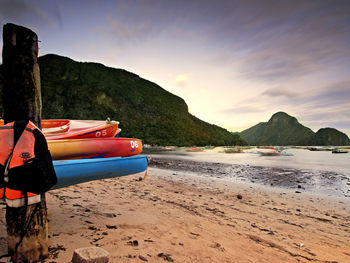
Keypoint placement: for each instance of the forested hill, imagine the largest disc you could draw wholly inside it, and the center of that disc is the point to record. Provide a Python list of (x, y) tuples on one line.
[(77, 90), (283, 129)]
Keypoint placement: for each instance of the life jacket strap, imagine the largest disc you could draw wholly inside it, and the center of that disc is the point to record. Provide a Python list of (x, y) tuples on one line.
[(16, 198), (22, 201)]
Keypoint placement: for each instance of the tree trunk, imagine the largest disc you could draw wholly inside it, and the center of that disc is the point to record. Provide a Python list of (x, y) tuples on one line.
[(22, 101)]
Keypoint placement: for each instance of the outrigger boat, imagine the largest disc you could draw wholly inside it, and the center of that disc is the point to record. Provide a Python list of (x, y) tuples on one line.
[(340, 151)]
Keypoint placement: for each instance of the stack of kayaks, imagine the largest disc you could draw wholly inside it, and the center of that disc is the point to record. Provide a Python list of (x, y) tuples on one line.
[(77, 139), (86, 150), (98, 153)]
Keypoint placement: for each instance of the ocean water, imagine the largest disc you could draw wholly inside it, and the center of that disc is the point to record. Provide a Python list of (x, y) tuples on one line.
[(320, 172)]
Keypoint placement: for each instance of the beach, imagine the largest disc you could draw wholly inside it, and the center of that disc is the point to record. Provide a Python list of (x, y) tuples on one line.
[(176, 216)]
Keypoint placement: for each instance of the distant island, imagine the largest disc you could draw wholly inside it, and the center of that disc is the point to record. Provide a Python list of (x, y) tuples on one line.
[(283, 129), (77, 90)]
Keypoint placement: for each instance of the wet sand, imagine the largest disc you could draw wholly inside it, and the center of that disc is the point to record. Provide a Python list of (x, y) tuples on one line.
[(301, 180), (173, 216)]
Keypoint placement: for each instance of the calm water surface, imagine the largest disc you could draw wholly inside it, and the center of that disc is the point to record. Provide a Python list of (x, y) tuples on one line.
[(300, 159), (303, 170)]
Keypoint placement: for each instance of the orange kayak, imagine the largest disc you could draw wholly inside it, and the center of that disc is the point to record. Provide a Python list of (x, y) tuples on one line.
[(94, 148), (77, 129)]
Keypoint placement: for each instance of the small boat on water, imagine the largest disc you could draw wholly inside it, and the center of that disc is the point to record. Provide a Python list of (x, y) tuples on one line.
[(77, 129), (94, 148), (70, 172), (270, 153), (340, 151)]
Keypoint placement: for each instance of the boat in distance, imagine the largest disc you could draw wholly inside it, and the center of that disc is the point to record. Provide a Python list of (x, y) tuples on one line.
[(71, 172), (94, 148)]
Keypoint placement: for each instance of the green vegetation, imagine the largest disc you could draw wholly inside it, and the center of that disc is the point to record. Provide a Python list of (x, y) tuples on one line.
[(283, 129), (78, 90), (329, 136)]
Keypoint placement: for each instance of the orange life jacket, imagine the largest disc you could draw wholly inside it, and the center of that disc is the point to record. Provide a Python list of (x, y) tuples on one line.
[(21, 153)]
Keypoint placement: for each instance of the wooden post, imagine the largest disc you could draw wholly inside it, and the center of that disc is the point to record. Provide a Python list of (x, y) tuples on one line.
[(22, 101)]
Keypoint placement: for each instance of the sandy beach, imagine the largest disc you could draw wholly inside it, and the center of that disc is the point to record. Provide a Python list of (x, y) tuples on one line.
[(173, 216)]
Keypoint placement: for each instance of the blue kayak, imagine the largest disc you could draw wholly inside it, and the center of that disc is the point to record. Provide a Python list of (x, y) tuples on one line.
[(70, 172)]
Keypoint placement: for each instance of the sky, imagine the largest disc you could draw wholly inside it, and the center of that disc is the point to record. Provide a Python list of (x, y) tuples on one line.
[(234, 62)]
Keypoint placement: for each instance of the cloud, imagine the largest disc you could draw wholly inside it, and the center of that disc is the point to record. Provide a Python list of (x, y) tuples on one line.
[(278, 92), (143, 20), (244, 109), (334, 96), (30, 12), (275, 41), (181, 80)]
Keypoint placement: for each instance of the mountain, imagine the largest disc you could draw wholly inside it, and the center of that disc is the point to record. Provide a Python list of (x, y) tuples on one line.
[(329, 136), (78, 90), (281, 129)]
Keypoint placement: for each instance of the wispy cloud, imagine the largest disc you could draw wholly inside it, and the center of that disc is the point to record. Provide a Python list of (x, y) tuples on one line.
[(283, 40), (279, 92), (29, 12), (181, 80), (244, 109)]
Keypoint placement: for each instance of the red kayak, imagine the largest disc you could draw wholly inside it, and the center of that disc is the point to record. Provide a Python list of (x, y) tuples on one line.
[(79, 129), (94, 148)]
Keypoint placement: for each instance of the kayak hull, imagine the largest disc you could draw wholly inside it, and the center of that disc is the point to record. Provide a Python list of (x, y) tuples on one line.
[(71, 172), (94, 148), (59, 129), (79, 129)]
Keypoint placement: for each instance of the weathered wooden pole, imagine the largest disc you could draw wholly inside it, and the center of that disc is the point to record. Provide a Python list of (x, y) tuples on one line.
[(22, 101)]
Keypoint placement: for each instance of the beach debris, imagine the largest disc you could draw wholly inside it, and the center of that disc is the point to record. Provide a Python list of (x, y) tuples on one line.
[(166, 257), (110, 215), (143, 258), (218, 246), (133, 243), (239, 196), (111, 226), (270, 232), (90, 255), (55, 250)]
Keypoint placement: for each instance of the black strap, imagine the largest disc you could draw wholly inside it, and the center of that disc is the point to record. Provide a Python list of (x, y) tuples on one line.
[(18, 128)]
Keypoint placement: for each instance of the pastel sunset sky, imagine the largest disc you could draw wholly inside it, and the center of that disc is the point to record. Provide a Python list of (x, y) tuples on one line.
[(234, 62)]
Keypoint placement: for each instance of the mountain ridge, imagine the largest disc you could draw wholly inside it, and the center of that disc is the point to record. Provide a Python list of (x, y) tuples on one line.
[(283, 129)]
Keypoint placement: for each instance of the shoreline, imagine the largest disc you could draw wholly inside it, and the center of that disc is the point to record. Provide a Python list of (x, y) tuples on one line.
[(172, 216), (293, 179)]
